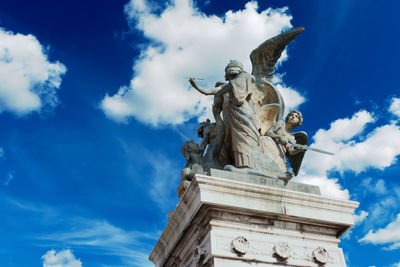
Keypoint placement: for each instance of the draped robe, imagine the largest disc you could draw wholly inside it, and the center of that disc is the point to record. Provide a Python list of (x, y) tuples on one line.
[(241, 133)]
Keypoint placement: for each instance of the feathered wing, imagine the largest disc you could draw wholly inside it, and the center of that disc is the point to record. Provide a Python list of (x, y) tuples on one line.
[(266, 116), (297, 159), (264, 59)]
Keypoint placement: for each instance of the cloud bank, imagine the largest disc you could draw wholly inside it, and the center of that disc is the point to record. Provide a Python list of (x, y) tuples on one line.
[(388, 235), (63, 258), (159, 91), (28, 81), (354, 151)]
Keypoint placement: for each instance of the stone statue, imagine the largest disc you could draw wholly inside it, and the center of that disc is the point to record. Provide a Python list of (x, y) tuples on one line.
[(207, 131), (287, 141), (248, 109), (196, 161)]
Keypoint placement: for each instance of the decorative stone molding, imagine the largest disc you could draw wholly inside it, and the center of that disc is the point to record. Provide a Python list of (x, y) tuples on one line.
[(240, 245), (321, 255), (201, 256), (282, 250), (238, 222)]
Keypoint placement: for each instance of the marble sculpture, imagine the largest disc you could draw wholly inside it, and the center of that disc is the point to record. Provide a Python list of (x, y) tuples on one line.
[(248, 134)]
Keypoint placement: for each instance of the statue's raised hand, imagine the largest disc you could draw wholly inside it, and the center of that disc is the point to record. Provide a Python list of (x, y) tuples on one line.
[(193, 82)]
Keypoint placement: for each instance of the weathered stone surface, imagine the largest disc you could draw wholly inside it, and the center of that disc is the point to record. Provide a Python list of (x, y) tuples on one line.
[(272, 226), (262, 180), (248, 135)]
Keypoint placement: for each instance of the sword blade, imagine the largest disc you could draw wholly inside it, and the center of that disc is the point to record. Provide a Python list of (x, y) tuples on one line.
[(320, 150), (194, 78)]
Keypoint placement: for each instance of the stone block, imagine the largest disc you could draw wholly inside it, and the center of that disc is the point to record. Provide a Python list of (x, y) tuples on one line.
[(249, 221)]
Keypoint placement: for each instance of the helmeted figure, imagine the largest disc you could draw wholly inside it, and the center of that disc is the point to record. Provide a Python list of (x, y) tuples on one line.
[(250, 105)]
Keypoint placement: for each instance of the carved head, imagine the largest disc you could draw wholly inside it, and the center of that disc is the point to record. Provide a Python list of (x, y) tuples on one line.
[(294, 118), (190, 148), (232, 69), (202, 126)]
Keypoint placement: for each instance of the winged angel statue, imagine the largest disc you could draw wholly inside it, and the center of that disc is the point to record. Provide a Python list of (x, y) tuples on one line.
[(247, 107)]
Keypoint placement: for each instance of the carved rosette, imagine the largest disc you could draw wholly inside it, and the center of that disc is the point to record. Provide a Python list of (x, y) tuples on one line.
[(240, 245), (321, 255), (282, 250)]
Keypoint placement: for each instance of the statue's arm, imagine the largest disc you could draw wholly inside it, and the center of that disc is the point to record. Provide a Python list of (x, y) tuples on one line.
[(293, 149), (204, 91), (224, 89), (273, 131)]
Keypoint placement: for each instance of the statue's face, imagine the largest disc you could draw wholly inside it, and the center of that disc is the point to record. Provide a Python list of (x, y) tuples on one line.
[(231, 73), (294, 118)]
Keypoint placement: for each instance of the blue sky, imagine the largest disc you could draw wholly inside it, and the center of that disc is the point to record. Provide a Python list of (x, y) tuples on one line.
[(95, 107)]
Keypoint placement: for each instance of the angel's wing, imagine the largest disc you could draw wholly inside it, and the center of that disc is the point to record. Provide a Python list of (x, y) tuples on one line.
[(266, 94), (264, 57), (266, 117), (295, 160)]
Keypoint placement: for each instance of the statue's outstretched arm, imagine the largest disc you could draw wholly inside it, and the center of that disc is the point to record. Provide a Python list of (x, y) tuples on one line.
[(212, 91)]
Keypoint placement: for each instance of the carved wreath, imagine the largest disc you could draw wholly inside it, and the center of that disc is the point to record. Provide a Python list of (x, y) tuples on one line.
[(241, 245), (321, 255), (282, 250)]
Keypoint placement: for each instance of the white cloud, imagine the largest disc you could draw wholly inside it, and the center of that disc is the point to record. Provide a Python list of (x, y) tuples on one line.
[(380, 210), (329, 186), (379, 187), (291, 97), (388, 235), (336, 138), (353, 152), (359, 218), (184, 42), (379, 150), (28, 81), (395, 106), (95, 236), (99, 236), (63, 258)]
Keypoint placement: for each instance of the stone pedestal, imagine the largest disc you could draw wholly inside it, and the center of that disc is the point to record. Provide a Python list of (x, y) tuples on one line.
[(230, 219)]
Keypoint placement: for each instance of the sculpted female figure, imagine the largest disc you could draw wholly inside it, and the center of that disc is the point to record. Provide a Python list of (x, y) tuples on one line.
[(234, 99), (250, 105)]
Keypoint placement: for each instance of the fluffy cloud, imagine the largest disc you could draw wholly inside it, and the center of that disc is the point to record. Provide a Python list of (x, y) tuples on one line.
[(159, 93), (353, 152), (328, 186), (359, 218), (388, 235), (28, 81), (292, 98), (63, 258), (395, 106)]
